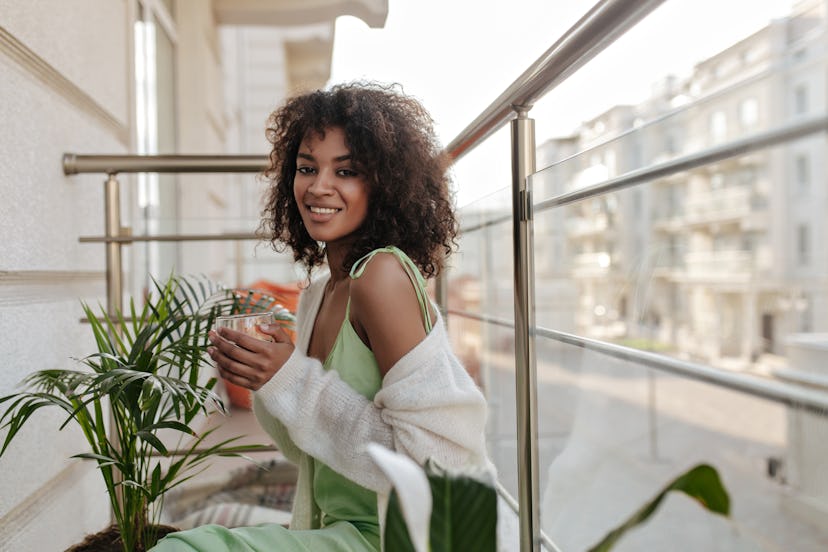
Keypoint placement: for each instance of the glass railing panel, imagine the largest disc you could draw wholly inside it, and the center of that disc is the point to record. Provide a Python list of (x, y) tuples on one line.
[(714, 265), (625, 431), (481, 314), (687, 267)]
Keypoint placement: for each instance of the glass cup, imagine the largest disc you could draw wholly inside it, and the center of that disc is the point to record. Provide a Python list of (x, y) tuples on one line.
[(246, 323)]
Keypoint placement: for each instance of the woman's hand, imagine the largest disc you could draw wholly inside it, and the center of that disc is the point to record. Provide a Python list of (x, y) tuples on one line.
[(247, 361)]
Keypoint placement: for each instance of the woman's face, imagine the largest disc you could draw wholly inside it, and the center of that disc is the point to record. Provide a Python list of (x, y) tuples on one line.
[(330, 192)]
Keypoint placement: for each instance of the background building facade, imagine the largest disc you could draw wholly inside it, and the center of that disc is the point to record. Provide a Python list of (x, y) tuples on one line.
[(722, 262)]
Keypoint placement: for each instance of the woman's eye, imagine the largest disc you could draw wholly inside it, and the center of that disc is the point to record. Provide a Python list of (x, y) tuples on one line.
[(348, 173), (305, 170)]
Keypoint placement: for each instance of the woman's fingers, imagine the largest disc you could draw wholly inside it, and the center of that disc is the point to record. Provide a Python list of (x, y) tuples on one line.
[(241, 339), (276, 331), (248, 361), (238, 373)]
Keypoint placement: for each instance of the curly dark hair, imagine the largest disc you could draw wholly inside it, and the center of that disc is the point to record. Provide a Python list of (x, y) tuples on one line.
[(391, 138)]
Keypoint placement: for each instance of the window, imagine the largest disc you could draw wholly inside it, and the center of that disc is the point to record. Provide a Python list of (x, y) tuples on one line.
[(747, 176), (156, 133), (802, 172), (670, 144), (806, 313), (749, 113), (800, 99), (803, 244), (718, 126)]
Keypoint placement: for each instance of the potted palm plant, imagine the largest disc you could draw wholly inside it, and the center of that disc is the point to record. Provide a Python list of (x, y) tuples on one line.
[(142, 389)]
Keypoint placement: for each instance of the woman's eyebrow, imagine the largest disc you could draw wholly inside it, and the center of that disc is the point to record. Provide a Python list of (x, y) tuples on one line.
[(309, 157)]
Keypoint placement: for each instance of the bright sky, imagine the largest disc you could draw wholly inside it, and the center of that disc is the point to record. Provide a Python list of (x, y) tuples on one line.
[(458, 56)]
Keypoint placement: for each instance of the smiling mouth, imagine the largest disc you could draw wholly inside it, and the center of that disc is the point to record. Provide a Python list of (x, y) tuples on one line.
[(322, 210)]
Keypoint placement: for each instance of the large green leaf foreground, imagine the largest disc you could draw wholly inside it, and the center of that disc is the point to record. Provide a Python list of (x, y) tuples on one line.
[(701, 483), (145, 377), (433, 510)]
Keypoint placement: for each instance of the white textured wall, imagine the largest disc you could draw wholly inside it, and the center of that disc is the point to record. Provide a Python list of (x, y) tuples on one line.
[(63, 88), (85, 40), (207, 202)]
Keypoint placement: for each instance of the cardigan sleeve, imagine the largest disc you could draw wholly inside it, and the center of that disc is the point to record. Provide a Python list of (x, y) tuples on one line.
[(428, 407)]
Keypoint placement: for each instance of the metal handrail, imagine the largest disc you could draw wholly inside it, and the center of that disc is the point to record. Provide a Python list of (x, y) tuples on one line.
[(784, 393), (754, 142), (229, 236), (74, 163), (589, 36), (758, 141)]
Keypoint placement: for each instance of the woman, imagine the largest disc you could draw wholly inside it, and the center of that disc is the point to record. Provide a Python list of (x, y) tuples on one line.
[(359, 184)]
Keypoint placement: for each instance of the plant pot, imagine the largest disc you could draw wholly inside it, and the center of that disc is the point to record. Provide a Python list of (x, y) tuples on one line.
[(109, 540)]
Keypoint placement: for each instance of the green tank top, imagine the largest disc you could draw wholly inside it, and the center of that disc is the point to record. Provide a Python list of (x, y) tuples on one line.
[(338, 498)]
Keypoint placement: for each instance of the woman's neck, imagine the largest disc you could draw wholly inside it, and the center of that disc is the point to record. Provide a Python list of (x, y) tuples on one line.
[(336, 253)]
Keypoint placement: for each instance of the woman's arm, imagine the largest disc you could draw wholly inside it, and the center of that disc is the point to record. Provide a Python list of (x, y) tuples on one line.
[(385, 311)]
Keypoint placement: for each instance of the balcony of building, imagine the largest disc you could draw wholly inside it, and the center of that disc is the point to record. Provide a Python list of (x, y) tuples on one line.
[(730, 205), (615, 351), (712, 266)]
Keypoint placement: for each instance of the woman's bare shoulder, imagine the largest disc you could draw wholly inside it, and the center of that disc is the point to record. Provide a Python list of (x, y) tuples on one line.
[(383, 274), (385, 309)]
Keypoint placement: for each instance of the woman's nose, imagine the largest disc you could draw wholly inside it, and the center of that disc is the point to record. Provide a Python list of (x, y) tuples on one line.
[(322, 184)]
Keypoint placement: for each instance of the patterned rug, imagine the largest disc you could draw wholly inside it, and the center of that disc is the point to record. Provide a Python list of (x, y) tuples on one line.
[(250, 495)]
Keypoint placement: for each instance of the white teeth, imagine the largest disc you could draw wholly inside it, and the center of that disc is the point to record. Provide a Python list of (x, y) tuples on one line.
[(322, 210)]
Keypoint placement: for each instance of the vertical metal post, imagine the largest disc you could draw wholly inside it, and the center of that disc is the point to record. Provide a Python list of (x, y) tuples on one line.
[(523, 164), (114, 281), (112, 228)]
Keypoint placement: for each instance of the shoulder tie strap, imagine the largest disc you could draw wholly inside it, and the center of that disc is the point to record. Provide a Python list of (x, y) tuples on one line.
[(413, 274)]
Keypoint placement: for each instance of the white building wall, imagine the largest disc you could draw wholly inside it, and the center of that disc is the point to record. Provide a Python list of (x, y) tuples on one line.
[(64, 88), (207, 202)]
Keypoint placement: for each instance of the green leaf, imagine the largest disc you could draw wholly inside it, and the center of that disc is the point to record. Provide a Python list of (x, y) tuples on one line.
[(463, 514), (701, 483), (101, 459), (171, 424), (151, 439), (396, 530), (155, 485)]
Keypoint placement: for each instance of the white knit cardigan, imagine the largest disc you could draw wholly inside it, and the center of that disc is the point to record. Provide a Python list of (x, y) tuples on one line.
[(428, 407)]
